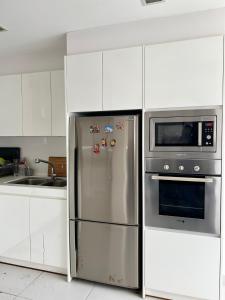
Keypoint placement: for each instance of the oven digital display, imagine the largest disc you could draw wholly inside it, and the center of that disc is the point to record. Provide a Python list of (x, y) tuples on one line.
[(176, 134)]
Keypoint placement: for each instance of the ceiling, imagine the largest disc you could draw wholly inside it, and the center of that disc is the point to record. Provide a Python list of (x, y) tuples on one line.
[(40, 25)]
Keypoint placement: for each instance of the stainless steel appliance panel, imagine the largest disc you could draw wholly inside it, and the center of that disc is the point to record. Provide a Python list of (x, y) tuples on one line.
[(182, 166), (209, 224), (107, 253), (107, 181), (182, 152)]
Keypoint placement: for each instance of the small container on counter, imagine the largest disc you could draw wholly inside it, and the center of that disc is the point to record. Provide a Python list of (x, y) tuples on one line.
[(24, 169)]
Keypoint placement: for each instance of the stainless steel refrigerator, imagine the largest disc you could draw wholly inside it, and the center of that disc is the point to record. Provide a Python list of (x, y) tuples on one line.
[(104, 198)]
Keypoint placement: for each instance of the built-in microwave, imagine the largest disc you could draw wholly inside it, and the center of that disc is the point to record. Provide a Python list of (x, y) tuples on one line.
[(184, 133)]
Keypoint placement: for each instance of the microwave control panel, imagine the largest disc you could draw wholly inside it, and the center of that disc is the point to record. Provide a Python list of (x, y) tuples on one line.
[(207, 133)]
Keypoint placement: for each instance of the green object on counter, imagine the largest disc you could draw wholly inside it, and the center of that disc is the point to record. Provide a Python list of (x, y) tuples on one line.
[(2, 161)]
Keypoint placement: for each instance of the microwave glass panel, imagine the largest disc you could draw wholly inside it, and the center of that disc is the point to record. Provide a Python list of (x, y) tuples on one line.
[(176, 134), (182, 199)]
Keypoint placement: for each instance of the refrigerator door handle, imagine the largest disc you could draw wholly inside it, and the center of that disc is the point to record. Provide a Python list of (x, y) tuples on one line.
[(71, 167), (75, 182), (136, 167)]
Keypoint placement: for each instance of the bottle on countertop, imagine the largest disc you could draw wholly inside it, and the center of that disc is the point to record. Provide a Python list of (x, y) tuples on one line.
[(24, 168)]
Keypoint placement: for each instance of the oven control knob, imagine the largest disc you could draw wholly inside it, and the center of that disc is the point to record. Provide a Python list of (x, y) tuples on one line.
[(181, 168), (166, 167), (196, 168)]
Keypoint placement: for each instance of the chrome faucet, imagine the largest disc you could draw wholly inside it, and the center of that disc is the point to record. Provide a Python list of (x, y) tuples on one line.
[(39, 160)]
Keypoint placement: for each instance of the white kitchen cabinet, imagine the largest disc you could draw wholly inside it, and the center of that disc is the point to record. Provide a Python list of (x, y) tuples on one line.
[(182, 264), (84, 82), (11, 105), (48, 231), (184, 73), (14, 227), (36, 91), (122, 79), (58, 103)]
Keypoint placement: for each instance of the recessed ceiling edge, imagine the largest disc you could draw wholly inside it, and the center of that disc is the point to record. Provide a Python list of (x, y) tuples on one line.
[(2, 29), (148, 2)]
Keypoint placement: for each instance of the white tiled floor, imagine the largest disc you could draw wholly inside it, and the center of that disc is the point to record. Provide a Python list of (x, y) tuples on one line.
[(26, 284)]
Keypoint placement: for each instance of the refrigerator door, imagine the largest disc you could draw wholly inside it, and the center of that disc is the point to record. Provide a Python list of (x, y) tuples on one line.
[(107, 253), (107, 179)]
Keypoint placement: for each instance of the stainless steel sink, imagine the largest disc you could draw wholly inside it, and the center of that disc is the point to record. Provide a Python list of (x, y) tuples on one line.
[(58, 182), (41, 181)]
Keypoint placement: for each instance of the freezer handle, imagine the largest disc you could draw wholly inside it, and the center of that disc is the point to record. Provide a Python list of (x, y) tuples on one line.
[(73, 248)]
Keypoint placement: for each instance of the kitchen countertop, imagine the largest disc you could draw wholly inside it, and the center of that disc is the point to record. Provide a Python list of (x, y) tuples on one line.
[(7, 187)]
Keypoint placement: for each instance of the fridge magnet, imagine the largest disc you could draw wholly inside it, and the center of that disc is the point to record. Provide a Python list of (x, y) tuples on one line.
[(119, 125), (108, 128), (104, 143), (91, 129), (94, 129), (96, 148), (113, 143)]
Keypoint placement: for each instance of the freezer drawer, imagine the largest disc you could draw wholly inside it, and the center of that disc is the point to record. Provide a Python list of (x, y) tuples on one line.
[(107, 179), (107, 253)]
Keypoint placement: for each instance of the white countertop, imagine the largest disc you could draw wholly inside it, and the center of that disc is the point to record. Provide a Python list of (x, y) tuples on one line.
[(7, 187)]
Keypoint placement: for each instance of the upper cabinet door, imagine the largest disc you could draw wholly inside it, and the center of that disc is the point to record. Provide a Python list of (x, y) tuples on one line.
[(122, 79), (11, 105), (84, 82), (36, 90), (58, 103), (186, 73)]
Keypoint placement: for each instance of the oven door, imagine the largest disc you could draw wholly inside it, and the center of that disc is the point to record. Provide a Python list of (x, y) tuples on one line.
[(183, 203)]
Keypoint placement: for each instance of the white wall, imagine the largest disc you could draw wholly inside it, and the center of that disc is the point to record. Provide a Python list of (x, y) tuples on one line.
[(147, 31), (32, 147), (39, 60)]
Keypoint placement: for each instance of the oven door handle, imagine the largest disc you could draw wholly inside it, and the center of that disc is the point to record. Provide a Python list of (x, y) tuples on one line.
[(186, 179)]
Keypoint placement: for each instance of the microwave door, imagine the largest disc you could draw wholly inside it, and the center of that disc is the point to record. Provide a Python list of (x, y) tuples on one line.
[(191, 134)]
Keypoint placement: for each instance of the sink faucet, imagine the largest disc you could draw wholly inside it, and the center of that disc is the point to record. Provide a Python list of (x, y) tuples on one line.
[(39, 160)]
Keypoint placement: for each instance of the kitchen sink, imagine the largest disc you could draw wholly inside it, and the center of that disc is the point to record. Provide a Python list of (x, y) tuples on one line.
[(41, 181), (58, 182), (28, 181)]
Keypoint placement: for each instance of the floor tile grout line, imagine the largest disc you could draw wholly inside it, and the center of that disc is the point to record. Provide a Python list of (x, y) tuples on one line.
[(32, 281), (6, 293), (90, 292), (23, 298)]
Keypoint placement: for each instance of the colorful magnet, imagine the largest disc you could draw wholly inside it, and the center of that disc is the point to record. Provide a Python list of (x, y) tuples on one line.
[(119, 125), (96, 148), (113, 143), (91, 129), (94, 129), (108, 128), (104, 142)]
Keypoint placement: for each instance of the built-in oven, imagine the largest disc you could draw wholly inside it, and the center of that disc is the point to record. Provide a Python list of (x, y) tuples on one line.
[(183, 133), (186, 196)]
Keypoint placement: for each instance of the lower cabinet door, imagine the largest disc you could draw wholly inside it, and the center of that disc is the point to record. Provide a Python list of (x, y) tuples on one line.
[(48, 232), (107, 253), (14, 227), (182, 264)]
